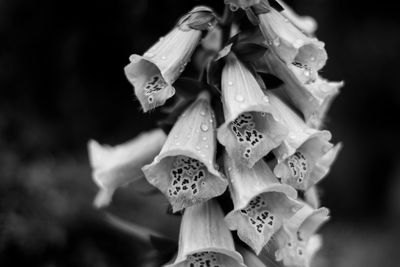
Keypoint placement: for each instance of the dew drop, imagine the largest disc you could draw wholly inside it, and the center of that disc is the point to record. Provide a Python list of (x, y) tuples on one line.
[(204, 138), (277, 42), (265, 99), (204, 127), (307, 73), (230, 83), (163, 57), (239, 98), (312, 58), (202, 113), (206, 146)]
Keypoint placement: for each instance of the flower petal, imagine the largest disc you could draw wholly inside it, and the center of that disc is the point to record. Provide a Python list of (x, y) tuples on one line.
[(306, 24), (293, 238), (117, 166), (153, 74), (244, 4), (185, 168), (290, 44), (261, 203), (308, 165), (309, 92), (251, 128), (204, 237), (250, 259)]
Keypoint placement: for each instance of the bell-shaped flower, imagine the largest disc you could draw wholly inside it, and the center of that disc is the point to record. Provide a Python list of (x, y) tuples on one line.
[(304, 157), (244, 4), (113, 167), (185, 170), (205, 240), (250, 259), (292, 240), (153, 74), (289, 43), (306, 24), (308, 91), (252, 126), (261, 203)]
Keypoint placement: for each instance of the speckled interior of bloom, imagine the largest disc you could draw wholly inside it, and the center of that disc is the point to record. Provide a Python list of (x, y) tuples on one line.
[(209, 259)]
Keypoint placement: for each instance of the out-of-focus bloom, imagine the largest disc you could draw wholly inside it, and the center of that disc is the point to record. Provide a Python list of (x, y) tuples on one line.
[(289, 43), (261, 203), (251, 128), (185, 170), (306, 24), (308, 91), (117, 166), (304, 157), (153, 74), (293, 238), (205, 240), (311, 197), (244, 4)]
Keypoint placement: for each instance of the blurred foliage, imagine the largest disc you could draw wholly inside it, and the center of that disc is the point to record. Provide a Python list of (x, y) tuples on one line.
[(62, 82)]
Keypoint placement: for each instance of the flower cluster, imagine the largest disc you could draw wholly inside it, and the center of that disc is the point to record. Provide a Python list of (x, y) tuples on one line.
[(273, 150)]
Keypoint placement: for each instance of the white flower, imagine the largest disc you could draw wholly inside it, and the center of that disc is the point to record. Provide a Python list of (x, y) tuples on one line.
[(308, 91), (261, 203), (290, 44), (117, 166), (153, 74), (306, 24), (185, 168), (205, 240), (251, 128), (293, 238)]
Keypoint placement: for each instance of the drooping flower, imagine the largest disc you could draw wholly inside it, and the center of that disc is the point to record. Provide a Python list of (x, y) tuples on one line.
[(251, 128), (205, 240), (306, 24), (305, 155), (308, 91), (261, 203), (185, 168), (292, 240), (154, 73), (288, 42), (113, 167)]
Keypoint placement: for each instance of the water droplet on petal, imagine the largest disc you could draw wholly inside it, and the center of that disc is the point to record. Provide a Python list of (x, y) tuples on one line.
[(204, 127), (230, 83), (204, 138), (312, 58), (239, 98), (202, 113), (265, 99), (307, 73), (163, 57)]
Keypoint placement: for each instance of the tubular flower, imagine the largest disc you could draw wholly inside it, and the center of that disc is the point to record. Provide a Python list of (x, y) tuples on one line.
[(205, 240), (293, 238), (251, 128), (153, 74), (306, 24), (113, 167), (185, 168), (261, 203), (308, 91), (290, 44)]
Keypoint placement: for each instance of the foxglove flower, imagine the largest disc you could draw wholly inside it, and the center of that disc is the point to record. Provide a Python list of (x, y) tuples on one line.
[(306, 24), (154, 73), (113, 167), (251, 128), (205, 240), (306, 154), (290, 44), (185, 168), (261, 203), (308, 91), (293, 238)]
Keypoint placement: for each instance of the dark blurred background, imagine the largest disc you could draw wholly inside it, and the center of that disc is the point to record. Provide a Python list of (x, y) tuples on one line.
[(62, 83)]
